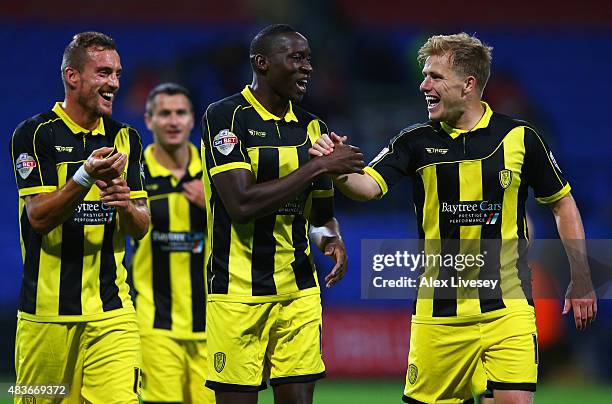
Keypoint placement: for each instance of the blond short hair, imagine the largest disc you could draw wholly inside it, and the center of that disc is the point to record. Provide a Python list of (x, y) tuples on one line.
[(467, 55)]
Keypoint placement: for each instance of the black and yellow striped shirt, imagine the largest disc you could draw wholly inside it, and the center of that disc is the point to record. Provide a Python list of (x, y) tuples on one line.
[(168, 263), (76, 271), (469, 191), (267, 259)]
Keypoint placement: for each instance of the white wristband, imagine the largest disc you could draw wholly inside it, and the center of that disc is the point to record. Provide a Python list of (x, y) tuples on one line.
[(321, 232), (82, 178)]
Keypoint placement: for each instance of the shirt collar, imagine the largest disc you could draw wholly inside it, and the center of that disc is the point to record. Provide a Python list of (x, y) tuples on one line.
[(263, 112), (482, 123), (158, 170), (75, 127)]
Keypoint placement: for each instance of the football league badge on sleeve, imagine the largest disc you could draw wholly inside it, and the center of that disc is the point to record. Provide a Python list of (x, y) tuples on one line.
[(24, 165), (225, 141)]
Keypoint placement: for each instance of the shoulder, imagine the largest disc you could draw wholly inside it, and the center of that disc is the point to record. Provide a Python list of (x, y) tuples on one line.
[(415, 132), (304, 116), (35, 123), (123, 130), (113, 127), (505, 123), (226, 106)]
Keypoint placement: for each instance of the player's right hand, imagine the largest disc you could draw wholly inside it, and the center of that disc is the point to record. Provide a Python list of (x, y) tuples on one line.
[(345, 159), (325, 145), (103, 166)]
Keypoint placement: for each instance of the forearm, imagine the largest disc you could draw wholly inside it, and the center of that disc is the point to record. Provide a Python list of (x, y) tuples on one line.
[(359, 187), (46, 211), (135, 218), (256, 200), (571, 232)]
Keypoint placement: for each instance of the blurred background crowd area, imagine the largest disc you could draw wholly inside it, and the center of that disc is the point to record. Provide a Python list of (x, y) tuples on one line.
[(551, 66)]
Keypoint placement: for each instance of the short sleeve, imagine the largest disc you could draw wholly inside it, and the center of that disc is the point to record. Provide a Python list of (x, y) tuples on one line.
[(33, 159), (135, 175), (323, 187), (391, 164), (542, 171), (223, 140)]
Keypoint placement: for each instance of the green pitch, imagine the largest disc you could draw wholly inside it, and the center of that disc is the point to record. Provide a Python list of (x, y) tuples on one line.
[(383, 392)]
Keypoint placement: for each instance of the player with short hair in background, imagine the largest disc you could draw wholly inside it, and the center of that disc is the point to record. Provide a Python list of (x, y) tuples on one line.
[(168, 263)]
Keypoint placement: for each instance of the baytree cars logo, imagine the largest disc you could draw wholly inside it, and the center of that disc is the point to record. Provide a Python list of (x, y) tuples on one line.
[(469, 213)]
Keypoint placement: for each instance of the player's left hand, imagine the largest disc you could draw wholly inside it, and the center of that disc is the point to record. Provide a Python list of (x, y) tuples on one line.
[(194, 191), (337, 250), (583, 304), (325, 144), (114, 193)]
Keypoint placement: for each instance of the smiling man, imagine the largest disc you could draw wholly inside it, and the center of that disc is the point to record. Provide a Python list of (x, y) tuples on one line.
[(471, 169), (81, 192), (263, 316)]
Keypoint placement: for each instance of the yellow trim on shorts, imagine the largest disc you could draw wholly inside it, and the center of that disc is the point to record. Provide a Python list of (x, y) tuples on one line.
[(229, 166)]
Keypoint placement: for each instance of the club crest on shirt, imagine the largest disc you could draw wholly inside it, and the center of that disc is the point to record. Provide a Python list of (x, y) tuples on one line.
[(505, 178), (219, 361), (225, 141), (24, 165), (413, 373)]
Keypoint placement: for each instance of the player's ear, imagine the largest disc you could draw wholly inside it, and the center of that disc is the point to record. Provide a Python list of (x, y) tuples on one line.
[(261, 63), (71, 77), (469, 85), (148, 118)]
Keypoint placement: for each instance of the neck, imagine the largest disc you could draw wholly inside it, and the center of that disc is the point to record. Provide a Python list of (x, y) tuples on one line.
[(84, 118), (470, 116), (175, 159), (268, 98)]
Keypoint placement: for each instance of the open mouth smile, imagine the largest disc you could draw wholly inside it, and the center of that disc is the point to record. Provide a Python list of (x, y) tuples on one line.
[(302, 85), (432, 101), (107, 96)]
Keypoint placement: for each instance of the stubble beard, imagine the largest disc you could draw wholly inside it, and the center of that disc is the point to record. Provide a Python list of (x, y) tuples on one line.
[(90, 103)]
